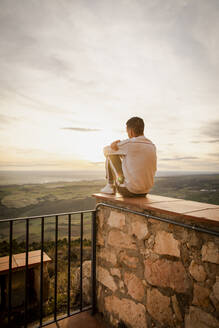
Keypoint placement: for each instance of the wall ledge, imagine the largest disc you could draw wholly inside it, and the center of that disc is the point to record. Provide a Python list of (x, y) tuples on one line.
[(185, 210)]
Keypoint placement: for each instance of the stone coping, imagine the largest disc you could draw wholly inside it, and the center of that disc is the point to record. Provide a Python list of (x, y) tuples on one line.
[(19, 260), (181, 208)]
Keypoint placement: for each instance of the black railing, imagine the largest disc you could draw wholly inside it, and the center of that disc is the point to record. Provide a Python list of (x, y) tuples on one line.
[(8, 322)]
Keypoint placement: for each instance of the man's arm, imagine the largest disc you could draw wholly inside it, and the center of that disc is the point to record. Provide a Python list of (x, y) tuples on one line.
[(114, 145), (116, 148)]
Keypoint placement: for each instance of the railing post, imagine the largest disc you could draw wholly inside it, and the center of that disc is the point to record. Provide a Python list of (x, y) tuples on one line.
[(10, 272), (81, 261), (69, 265), (26, 276), (93, 259), (41, 271), (56, 267)]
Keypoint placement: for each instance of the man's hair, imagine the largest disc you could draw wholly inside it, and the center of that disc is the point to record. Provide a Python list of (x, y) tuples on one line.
[(136, 124)]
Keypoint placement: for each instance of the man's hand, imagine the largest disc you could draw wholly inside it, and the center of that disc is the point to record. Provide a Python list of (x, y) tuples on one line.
[(114, 145)]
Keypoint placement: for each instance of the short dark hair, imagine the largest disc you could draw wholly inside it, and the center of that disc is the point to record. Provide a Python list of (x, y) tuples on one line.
[(136, 124)]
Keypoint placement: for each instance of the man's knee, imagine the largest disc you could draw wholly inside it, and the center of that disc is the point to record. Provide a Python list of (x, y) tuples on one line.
[(106, 150)]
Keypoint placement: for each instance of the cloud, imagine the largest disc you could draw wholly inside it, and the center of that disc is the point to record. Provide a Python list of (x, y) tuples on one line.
[(81, 129), (214, 154), (205, 141), (178, 158), (211, 129), (11, 93), (25, 164), (6, 119), (97, 163)]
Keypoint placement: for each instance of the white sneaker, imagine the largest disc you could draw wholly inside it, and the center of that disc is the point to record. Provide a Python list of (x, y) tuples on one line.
[(108, 189), (120, 180)]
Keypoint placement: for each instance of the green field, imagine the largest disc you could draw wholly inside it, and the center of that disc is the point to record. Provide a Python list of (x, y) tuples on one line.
[(200, 188), (41, 199), (51, 198)]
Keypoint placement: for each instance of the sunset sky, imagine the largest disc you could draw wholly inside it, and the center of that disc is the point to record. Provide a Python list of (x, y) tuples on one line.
[(73, 72)]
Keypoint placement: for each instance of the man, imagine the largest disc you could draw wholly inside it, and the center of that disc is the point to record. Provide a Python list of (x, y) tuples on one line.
[(131, 164)]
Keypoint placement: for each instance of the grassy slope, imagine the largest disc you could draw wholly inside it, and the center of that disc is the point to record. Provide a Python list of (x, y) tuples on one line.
[(39, 199), (49, 198), (189, 187)]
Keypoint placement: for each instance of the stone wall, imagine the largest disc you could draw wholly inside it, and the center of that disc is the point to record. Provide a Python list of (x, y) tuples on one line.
[(155, 274)]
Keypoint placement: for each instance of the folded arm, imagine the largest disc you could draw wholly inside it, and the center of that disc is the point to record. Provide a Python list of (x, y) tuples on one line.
[(116, 148), (114, 145)]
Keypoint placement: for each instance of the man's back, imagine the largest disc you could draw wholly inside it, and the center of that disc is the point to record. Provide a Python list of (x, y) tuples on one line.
[(139, 163)]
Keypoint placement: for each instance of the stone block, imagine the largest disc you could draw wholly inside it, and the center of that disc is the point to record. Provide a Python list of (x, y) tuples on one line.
[(139, 229), (107, 255), (214, 296), (119, 239), (99, 239), (165, 273), (121, 285), (134, 285), (210, 253), (165, 243), (129, 261), (86, 281), (100, 218), (197, 318), (194, 241), (104, 277), (201, 296), (158, 305), (99, 291), (151, 241), (215, 302), (116, 220), (176, 308), (127, 311), (115, 272), (216, 288), (197, 271)]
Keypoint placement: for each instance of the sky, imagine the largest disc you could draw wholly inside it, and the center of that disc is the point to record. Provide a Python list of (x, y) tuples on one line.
[(73, 72)]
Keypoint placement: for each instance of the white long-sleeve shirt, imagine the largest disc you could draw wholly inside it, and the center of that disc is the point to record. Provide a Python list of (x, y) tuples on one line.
[(139, 163)]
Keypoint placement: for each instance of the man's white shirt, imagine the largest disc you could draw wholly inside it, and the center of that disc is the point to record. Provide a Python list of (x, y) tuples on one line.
[(139, 163)]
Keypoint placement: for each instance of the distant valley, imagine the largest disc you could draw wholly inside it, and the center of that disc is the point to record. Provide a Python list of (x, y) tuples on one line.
[(58, 197)]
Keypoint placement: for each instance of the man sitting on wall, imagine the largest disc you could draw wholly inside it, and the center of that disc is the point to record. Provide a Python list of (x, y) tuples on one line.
[(131, 163)]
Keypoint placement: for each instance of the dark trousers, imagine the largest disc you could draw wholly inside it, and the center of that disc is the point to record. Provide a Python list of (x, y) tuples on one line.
[(113, 171)]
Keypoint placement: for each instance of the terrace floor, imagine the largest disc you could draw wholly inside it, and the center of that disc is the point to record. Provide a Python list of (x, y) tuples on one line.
[(81, 320)]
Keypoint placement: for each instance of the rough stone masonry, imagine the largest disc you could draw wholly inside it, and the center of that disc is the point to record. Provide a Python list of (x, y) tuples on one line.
[(155, 274)]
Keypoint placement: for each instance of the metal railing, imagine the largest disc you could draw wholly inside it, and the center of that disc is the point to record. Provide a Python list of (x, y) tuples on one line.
[(27, 221), (93, 257), (194, 227)]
